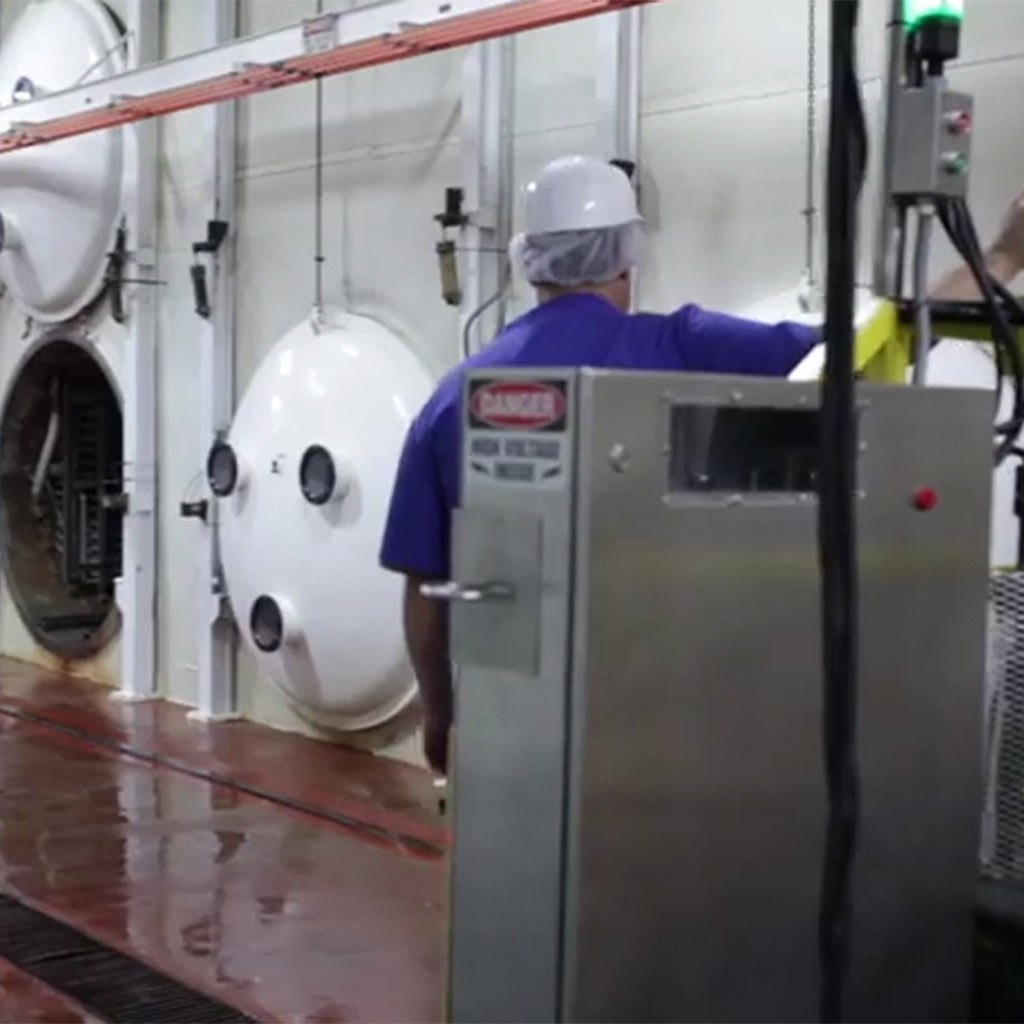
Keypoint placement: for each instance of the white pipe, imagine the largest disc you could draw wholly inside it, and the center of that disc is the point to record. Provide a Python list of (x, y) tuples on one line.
[(485, 138), (922, 309), (216, 635), (49, 443), (617, 81), (137, 587)]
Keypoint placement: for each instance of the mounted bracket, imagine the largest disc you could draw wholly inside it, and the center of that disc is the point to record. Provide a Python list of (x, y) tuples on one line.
[(452, 216), (628, 168), (195, 509), (216, 232), (114, 279), (113, 275)]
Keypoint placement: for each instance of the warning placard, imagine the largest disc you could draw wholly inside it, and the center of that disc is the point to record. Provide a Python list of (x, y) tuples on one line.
[(517, 432)]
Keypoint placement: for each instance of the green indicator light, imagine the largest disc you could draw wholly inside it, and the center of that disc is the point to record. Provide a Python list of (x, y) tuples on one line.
[(955, 163), (916, 11)]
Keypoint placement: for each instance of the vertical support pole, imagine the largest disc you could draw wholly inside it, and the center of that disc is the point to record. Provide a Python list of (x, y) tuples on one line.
[(618, 82), (885, 271), (486, 142), (136, 590), (217, 637)]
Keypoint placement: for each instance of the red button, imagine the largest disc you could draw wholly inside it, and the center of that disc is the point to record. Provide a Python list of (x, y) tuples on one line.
[(925, 499), (958, 122)]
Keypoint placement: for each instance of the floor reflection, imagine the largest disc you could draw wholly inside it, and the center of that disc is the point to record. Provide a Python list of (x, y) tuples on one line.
[(286, 918)]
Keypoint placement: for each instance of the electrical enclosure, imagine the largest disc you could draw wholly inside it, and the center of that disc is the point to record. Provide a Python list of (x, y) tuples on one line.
[(638, 779), (932, 142)]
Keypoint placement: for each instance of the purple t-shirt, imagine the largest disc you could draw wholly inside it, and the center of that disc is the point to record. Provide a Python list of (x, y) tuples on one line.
[(572, 330)]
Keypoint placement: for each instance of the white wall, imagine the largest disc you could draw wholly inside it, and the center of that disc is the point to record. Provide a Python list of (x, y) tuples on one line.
[(723, 164)]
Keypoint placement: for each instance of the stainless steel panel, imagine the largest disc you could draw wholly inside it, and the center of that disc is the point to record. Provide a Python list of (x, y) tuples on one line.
[(696, 810), (499, 547), (508, 774)]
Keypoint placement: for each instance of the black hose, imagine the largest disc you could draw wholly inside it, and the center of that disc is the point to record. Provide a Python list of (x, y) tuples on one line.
[(998, 301), (847, 157), (1018, 510), (1000, 304)]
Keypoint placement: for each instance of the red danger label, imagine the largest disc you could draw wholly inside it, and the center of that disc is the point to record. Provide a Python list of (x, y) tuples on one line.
[(517, 405)]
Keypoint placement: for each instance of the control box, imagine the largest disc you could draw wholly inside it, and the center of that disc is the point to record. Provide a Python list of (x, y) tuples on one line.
[(639, 813), (932, 142)]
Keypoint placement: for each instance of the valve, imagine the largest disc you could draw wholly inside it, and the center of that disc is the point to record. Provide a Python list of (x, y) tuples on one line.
[(452, 216)]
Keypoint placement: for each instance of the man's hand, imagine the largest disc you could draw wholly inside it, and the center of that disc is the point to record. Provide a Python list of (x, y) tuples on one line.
[(1009, 244)]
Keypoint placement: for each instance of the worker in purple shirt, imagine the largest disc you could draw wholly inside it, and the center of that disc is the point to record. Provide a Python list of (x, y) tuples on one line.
[(582, 234)]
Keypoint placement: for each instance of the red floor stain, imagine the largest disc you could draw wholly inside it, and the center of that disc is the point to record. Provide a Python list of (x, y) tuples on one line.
[(283, 916), (23, 1000)]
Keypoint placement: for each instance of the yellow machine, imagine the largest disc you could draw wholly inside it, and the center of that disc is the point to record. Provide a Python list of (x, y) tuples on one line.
[(885, 343)]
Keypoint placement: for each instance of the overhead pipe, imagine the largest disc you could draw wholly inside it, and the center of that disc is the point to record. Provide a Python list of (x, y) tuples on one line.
[(375, 34)]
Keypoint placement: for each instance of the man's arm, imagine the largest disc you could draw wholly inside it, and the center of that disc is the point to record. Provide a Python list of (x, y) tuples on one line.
[(416, 544), (426, 637), (716, 343), (1004, 260), (959, 284)]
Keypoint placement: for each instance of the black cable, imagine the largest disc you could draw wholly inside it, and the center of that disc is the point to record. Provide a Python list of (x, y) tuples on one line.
[(1012, 306), (957, 222), (847, 158), (952, 227)]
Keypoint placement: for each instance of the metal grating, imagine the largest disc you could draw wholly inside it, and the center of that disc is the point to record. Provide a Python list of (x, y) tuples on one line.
[(1002, 833), (116, 987)]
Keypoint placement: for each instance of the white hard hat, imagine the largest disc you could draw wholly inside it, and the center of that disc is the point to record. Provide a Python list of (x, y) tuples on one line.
[(575, 193)]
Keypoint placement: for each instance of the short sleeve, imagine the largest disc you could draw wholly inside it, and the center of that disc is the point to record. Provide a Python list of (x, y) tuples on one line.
[(417, 531), (718, 343)]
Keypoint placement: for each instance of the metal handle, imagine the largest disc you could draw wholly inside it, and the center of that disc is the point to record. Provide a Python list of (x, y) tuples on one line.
[(467, 592)]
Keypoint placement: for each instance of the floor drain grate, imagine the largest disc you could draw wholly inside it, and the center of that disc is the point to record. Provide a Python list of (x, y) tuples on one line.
[(102, 980)]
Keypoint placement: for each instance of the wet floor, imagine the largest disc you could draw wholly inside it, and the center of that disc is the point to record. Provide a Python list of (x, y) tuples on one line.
[(284, 916)]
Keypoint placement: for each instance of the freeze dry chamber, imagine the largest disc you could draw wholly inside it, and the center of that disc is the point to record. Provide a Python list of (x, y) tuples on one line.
[(639, 801)]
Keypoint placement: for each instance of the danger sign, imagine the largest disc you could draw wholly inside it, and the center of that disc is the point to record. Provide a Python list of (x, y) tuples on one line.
[(517, 405)]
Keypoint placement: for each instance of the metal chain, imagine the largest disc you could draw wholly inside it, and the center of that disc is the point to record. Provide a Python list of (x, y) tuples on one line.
[(318, 200), (810, 211)]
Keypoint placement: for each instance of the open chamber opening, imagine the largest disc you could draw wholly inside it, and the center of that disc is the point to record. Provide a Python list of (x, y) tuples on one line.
[(61, 498)]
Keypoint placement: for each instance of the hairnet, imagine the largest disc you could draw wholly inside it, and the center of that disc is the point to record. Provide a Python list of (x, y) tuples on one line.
[(571, 258)]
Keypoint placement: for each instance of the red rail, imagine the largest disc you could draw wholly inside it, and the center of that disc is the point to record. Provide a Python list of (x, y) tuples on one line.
[(462, 30)]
